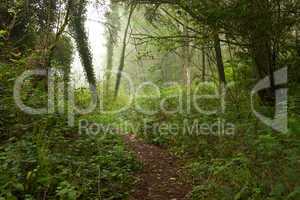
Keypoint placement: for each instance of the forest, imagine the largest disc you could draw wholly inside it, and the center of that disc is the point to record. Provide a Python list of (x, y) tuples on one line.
[(150, 99)]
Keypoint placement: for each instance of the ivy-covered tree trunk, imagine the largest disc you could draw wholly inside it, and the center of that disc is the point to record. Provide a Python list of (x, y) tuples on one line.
[(81, 40)]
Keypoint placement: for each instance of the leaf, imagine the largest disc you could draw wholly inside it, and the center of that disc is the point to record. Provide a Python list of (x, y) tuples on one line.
[(295, 194), (19, 186), (3, 33), (240, 193)]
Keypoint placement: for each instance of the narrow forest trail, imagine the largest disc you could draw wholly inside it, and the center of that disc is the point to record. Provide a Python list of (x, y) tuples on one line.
[(162, 177)]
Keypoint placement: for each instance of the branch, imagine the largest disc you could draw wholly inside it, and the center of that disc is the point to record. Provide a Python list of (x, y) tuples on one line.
[(178, 21)]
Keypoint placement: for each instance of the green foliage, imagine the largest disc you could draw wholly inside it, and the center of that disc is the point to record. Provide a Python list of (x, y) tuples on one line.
[(64, 166), (66, 191), (254, 163), (81, 39), (42, 158)]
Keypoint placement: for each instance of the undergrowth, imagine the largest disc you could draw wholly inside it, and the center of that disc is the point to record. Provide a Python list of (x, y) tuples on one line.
[(254, 163), (52, 165), (41, 157)]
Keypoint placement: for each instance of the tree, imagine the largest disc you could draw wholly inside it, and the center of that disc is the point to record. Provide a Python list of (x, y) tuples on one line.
[(81, 39), (113, 23), (122, 59)]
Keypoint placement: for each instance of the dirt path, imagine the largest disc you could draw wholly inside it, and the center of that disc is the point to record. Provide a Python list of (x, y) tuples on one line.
[(161, 178)]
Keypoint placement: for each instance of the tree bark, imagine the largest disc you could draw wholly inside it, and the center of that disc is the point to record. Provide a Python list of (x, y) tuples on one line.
[(114, 22), (122, 59), (219, 59), (186, 57), (203, 65), (264, 55)]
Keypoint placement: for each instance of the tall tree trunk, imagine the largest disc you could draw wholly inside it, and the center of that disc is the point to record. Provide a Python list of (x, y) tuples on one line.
[(186, 54), (203, 65), (219, 59), (109, 62), (114, 23), (122, 59), (263, 54), (297, 40), (186, 64), (82, 44)]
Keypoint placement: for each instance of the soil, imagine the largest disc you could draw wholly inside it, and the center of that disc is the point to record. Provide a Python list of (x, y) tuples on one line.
[(162, 176)]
